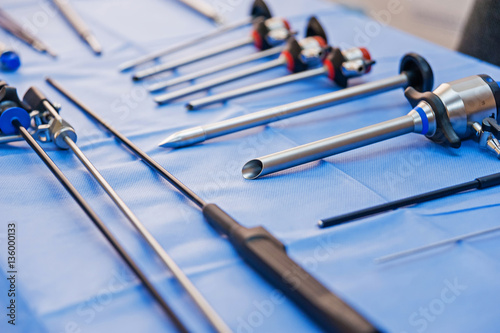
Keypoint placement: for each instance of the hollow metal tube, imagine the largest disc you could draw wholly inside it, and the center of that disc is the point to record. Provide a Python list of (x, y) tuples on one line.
[(221, 80), (189, 60), (185, 44), (199, 103), (206, 132), (327, 147), (215, 69), (179, 275)]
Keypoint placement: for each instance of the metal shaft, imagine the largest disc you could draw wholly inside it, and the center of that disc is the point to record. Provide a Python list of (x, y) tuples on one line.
[(204, 9), (207, 310), (219, 81), (11, 26), (327, 147), (435, 245), (99, 224), (185, 44), (215, 69), (140, 75), (441, 193), (206, 132), (78, 24), (199, 103)]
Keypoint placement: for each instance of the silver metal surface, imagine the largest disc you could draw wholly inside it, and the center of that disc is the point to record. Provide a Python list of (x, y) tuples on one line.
[(327, 147), (179, 275), (188, 60), (220, 80), (215, 69), (199, 103), (205, 132), (8, 24), (185, 44), (78, 24), (204, 8), (467, 101)]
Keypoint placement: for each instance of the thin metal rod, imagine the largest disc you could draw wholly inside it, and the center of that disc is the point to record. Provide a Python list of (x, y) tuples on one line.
[(215, 69), (99, 224), (142, 155), (78, 25), (199, 103), (220, 80), (204, 306), (11, 26), (184, 44), (327, 147), (434, 245), (204, 9), (441, 193), (140, 75), (214, 130)]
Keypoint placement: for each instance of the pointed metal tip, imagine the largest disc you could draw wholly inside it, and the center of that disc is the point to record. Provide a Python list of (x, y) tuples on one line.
[(184, 138)]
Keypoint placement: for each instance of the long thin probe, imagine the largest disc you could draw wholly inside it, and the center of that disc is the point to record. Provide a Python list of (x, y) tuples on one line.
[(200, 301), (11, 26), (99, 224), (78, 25), (434, 245), (478, 183)]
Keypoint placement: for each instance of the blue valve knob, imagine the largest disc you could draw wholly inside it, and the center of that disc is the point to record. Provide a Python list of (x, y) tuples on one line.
[(10, 61)]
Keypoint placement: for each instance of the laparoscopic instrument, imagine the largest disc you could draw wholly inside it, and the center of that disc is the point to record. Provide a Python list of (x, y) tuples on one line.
[(204, 8), (258, 10), (50, 126), (78, 25), (267, 33), (339, 66), (450, 114), (8, 24), (298, 56), (414, 72), (314, 28), (488, 132), (259, 248)]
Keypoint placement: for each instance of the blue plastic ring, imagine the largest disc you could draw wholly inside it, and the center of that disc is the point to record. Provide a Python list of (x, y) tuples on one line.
[(8, 116), (425, 121)]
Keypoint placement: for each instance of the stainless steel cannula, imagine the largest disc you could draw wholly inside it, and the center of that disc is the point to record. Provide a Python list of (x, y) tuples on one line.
[(214, 69), (356, 62), (414, 71), (294, 57), (259, 9), (447, 114), (64, 137), (266, 34)]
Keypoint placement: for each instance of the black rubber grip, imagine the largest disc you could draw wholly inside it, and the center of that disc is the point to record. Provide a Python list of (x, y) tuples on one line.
[(489, 181), (268, 257)]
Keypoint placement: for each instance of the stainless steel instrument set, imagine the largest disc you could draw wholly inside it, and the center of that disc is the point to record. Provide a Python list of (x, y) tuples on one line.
[(466, 108)]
